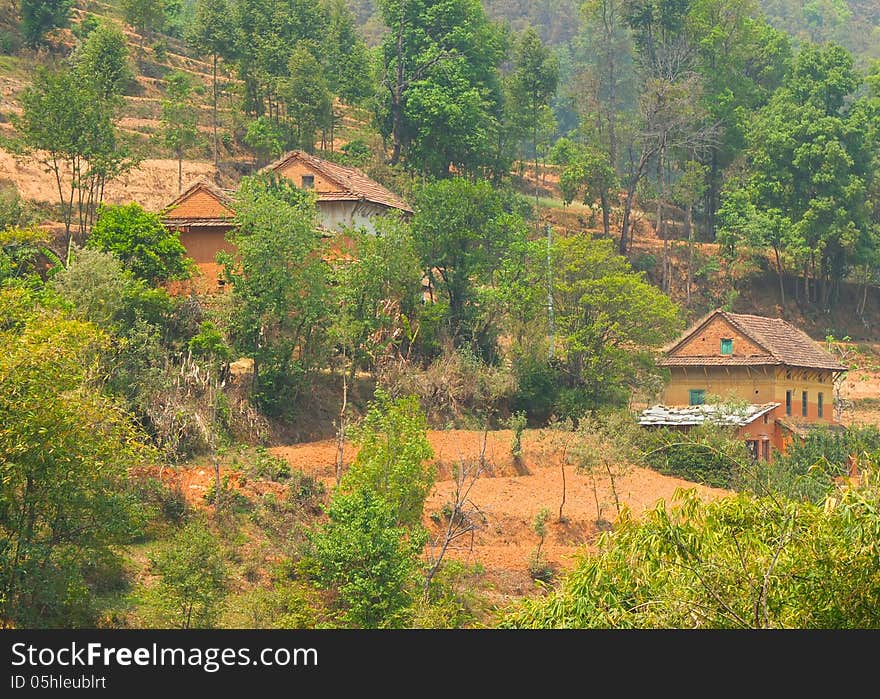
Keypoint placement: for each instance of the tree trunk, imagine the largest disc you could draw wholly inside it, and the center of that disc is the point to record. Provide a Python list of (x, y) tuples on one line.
[(606, 212), (214, 119), (397, 93), (779, 273), (689, 227)]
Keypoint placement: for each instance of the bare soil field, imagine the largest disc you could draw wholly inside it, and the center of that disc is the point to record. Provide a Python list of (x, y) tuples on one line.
[(510, 496)]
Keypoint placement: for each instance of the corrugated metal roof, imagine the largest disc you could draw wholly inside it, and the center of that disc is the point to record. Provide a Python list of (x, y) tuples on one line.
[(662, 415)]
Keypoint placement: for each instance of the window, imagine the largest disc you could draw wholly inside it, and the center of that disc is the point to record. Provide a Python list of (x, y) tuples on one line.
[(804, 403), (788, 402), (697, 396), (819, 405), (765, 450), (766, 418), (726, 345), (308, 181)]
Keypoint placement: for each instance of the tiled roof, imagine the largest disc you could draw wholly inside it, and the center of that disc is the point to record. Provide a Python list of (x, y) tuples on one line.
[(718, 361), (662, 415), (194, 212), (784, 343), (356, 184)]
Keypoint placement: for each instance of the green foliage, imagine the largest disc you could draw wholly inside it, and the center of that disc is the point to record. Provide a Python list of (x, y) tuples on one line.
[(517, 424), (192, 574), (464, 232), (368, 560), (146, 16), (102, 61), (140, 241), (531, 85), (308, 98), (446, 108), (808, 468), (278, 306), (377, 287), (710, 454), (344, 55), (266, 137), (393, 460), (41, 16), (179, 118), (737, 562), (607, 317), (69, 128), (811, 160), (65, 450)]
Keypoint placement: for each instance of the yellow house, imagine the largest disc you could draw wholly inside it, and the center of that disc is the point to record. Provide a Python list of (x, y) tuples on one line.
[(784, 377)]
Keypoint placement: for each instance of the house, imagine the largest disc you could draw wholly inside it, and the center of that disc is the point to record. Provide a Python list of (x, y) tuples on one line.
[(346, 196), (781, 383), (203, 213)]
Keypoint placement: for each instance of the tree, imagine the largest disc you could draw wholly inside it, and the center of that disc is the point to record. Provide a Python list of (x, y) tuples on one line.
[(588, 176), (393, 457), (41, 16), (307, 96), (213, 32), (102, 61), (532, 85), (266, 137), (368, 559), (279, 309), (344, 55), (69, 127), (140, 241), (805, 191), (442, 90), (737, 562), (463, 233), (378, 288), (192, 579), (607, 317), (146, 16), (65, 451), (179, 118)]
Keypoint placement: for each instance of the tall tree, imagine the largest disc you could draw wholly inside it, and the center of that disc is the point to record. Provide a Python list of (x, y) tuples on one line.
[(146, 16), (809, 171), (307, 97), (463, 232), (532, 84), (70, 128), (278, 306), (344, 54), (213, 32), (102, 61), (179, 118), (442, 103)]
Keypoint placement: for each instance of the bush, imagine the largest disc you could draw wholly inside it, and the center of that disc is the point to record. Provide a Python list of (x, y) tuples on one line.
[(709, 454), (537, 388)]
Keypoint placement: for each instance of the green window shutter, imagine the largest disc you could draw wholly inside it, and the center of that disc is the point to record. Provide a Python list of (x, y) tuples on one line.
[(697, 396), (727, 345)]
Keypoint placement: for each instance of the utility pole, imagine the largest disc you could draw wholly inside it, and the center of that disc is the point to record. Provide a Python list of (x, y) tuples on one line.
[(552, 350)]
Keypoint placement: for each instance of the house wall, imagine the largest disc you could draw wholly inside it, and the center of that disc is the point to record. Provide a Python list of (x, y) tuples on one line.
[(813, 382), (707, 342), (752, 384), (202, 245), (766, 428), (296, 169), (336, 215)]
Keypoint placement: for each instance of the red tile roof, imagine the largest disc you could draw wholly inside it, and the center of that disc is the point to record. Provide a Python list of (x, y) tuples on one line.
[(356, 185), (784, 343)]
